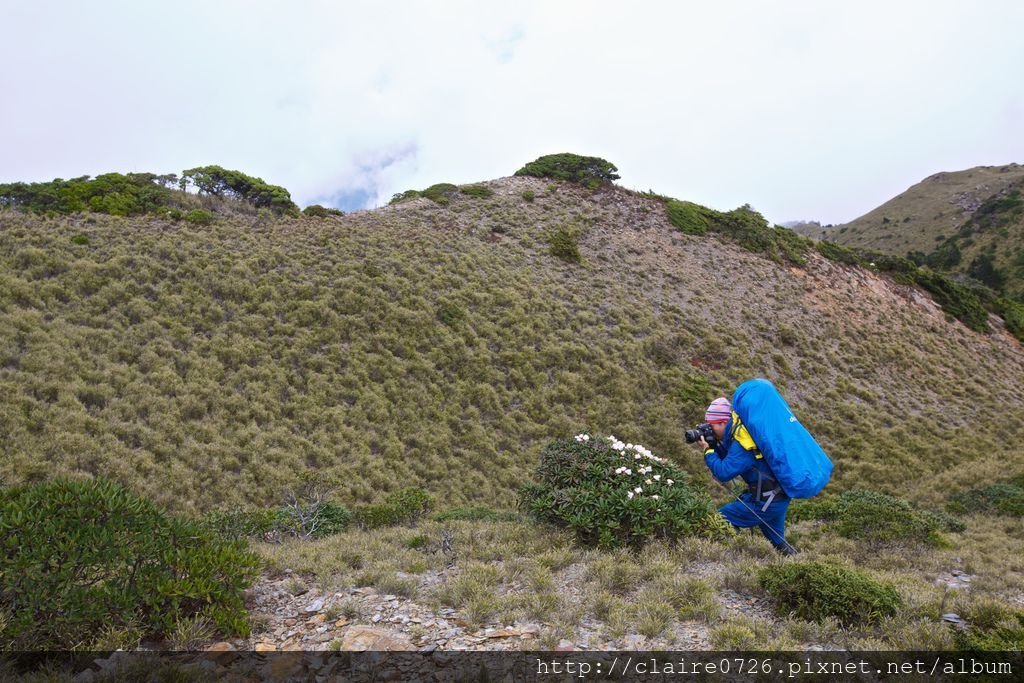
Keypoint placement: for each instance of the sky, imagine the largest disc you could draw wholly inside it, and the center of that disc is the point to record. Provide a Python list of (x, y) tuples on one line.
[(805, 110)]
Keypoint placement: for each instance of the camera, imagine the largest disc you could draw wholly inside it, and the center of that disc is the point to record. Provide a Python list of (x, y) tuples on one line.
[(693, 435)]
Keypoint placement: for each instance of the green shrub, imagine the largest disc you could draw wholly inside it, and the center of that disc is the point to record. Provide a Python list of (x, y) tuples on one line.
[(837, 252), (318, 211), (563, 244), (880, 518), (991, 626), (403, 196), (529, 195), (451, 314), (687, 216), (84, 557), (402, 507), (1012, 312), (590, 172), (199, 217), (956, 299), (475, 513), (313, 520), (238, 524), (377, 515), (441, 193), (479, 191), (114, 193), (221, 182), (80, 239), (591, 487), (815, 591), (1005, 498)]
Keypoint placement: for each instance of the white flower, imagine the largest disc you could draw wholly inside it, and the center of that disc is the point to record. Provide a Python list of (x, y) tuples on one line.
[(669, 482), (629, 446), (628, 471), (637, 456), (618, 446), (657, 477), (647, 481), (639, 489), (655, 496), (629, 493)]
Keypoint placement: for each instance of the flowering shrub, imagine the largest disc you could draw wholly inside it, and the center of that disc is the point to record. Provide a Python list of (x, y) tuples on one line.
[(613, 494)]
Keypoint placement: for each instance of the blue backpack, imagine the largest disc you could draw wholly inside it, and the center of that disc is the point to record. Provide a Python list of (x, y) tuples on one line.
[(797, 461)]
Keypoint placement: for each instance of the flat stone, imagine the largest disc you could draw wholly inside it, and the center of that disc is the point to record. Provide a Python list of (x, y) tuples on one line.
[(369, 638), (265, 647), (315, 606), (318, 619)]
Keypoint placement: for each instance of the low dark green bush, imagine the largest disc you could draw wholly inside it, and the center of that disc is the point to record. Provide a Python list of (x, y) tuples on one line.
[(80, 239), (479, 191), (880, 518), (313, 520), (199, 217), (1005, 498), (590, 172), (837, 252), (816, 590), (475, 513), (991, 626), (402, 507), (441, 193), (1012, 312), (403, 196), (956, 299), (687, 216), (318, 211), (238, 524), (83, 557), (529, 195), (563, 244), (611, 495)]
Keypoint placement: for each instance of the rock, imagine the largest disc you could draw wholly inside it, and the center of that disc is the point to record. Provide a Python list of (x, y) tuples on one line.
[(565, 646), (265, 647), (633, 641), (223, 653), (376, 618), (953, 618), (289, 622), (318, 619), (502, 633), (344, 621), (369, 638), (315, 606)]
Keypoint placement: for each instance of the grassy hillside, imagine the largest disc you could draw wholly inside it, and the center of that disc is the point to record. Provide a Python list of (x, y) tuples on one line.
[(443, 344), (969, 222)]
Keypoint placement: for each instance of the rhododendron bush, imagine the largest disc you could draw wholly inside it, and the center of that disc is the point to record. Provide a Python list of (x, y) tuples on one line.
[(612, 494)]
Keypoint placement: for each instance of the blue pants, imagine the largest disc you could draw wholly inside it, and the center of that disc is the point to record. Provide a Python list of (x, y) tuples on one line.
[(775, 517)]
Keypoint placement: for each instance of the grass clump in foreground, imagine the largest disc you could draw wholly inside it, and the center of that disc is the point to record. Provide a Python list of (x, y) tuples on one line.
[(87, 564), (612, 494), (879, 518), (816, 591)]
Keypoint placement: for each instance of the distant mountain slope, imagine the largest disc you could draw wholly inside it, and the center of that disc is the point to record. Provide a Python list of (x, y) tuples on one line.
[(969, 222), (443, 344)]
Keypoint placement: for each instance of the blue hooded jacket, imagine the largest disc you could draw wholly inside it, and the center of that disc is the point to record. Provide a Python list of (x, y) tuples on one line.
[(730, 459)]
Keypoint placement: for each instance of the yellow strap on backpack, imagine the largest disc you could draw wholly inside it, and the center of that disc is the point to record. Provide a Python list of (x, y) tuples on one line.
[(740, 433)]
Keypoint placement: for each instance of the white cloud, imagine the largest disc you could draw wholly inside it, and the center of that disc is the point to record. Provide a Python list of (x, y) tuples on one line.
[(803, 109)]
